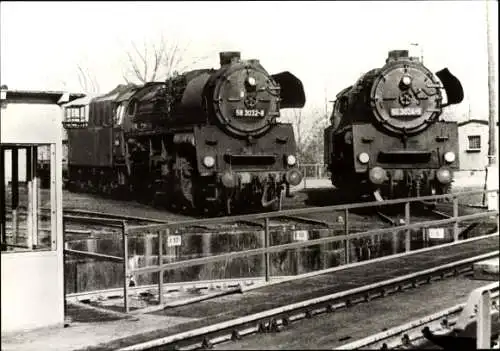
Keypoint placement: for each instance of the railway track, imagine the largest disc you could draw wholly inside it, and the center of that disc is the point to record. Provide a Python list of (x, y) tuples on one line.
[(275, 319), (225, 285), (417, 333)]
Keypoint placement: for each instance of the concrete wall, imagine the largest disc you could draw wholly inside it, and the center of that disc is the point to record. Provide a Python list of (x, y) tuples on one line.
[(32, 290), (29, 124), (473, 159)]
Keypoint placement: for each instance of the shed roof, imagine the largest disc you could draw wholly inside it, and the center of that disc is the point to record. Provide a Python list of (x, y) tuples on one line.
[(40, 96), (478, 121)]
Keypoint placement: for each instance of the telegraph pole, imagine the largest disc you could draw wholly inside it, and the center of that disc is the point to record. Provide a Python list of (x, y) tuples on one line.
[(492, 64), (492, 168)]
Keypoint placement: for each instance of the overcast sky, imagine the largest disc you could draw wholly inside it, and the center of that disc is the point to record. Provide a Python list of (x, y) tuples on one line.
[(326, 44)]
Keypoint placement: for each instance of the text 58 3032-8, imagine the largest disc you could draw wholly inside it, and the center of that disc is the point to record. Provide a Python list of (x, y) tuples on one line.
[(249, 113)]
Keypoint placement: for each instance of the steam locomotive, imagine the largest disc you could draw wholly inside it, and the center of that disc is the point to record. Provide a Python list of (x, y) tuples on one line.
[(386, 137), (208, 139)]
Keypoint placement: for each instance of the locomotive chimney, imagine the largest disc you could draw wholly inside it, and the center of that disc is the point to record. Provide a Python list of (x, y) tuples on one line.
[(396, 54), (227, 57)]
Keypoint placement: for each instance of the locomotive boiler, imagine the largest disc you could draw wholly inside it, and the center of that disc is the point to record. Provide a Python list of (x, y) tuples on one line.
[(207, 139), (387, 136)]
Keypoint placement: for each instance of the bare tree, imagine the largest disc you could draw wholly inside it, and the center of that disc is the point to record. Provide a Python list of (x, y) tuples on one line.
[(88, 81), (156, 61), (305, 126), (308, 128), (313, 145), (297, 120)]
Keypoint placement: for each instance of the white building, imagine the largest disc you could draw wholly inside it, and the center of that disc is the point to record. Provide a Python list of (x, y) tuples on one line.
[(473, 144)]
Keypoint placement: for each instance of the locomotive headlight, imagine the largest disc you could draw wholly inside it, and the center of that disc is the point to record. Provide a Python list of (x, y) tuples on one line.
[(291, 160), (449, 157), (293, 177), (363, 158), (209, 161), (443, 175), (377, 175), (251, 81), (406, 80)]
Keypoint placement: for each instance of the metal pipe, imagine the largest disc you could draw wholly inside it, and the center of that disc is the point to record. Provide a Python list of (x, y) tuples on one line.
[(160, 262), (125, 267), (266, 246), (455, 216), (14, 187), (346, 233), (408, 232), (29, 183)]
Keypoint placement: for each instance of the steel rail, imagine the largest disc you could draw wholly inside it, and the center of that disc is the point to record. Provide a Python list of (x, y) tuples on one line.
[(95, 220), (113, 216), (274, 318), (172, 287)]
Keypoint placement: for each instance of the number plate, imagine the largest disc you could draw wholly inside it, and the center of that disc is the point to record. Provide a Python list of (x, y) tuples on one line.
[(406, 111), (174, 240), (436, 233), (300, 235), (248, 113)]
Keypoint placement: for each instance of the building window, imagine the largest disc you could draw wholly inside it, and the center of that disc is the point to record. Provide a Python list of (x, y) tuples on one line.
[(27, 197), (474, 142)]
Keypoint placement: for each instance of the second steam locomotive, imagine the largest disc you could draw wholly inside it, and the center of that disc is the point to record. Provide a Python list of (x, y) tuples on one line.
[(387, 137), (205, 139)]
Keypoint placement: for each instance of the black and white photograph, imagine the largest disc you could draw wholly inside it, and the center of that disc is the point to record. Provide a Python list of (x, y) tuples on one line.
[(249, 175)]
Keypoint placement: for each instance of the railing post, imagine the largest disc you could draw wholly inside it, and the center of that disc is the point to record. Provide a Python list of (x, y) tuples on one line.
[(125, 266), (65, 275), (483, 321), (346, 233), (160, 262), (408, 231), (394, 242), (305, 177), (455, 216), (266, 246)]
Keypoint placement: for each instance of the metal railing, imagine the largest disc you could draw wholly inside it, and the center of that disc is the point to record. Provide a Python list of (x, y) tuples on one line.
[(163, 233), (314, 170)]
